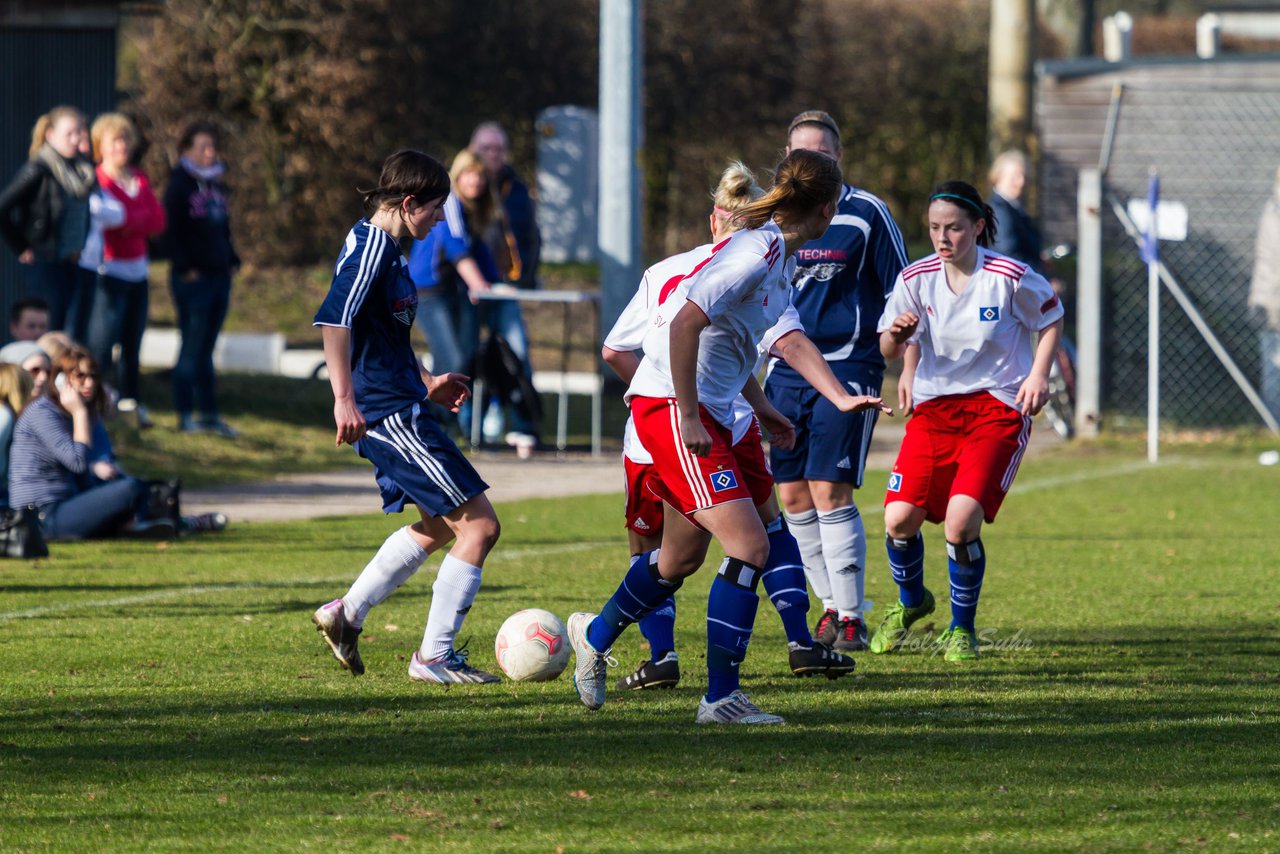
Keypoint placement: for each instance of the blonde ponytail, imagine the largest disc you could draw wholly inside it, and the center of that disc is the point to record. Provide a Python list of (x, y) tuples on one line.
[(803, 182)]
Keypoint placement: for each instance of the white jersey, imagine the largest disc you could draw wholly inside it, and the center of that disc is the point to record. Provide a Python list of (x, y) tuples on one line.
[(979, 339), (743, 287), (628, 333)]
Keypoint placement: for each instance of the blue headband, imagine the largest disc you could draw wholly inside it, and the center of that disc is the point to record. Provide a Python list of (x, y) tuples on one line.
[(968, 202)]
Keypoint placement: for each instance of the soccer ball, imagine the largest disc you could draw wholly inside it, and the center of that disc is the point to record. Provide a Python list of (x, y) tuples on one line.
[(532, 646)]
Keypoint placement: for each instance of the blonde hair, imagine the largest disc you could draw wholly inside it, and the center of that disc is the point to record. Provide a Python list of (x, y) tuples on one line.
[(803, 182), (737, 189), (112, 124), (16, 387), (45, 123), (484, 210), (1003, 161), (54, 343)]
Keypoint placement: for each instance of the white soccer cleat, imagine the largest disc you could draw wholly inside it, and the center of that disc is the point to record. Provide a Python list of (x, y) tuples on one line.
[(447, 669), (736, 708), (591, 668)]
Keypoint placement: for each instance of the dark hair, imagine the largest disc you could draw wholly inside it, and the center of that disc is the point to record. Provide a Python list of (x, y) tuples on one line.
[(25, 304), (191, 131), (407, 174), (969, 200), (70, 362), (804, 181)]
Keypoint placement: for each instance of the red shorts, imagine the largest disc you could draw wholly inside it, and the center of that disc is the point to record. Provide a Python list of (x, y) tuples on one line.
[(968, 444), (644, 508), (727, 473)]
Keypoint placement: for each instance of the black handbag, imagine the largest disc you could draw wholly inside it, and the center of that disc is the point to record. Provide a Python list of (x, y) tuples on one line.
[(163, 504), (21, 535)]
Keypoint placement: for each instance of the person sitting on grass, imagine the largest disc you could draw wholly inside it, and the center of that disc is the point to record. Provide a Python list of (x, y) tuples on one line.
[(15, 392)]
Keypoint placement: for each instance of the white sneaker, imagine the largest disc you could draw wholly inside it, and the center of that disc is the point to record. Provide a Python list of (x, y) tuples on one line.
[(591, 668), (447, 669), (736, 708)]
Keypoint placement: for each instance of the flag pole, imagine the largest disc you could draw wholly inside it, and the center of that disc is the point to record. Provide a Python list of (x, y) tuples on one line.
[(1151, 254)]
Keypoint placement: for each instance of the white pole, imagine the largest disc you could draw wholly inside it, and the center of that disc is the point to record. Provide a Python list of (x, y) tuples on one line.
[(1153, 360), (1089, 304)]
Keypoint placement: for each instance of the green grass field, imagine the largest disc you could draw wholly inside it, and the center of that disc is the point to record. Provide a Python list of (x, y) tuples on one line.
[(178, 698)]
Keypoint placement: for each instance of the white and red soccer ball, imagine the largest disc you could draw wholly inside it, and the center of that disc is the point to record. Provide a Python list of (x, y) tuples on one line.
[(532, 646)]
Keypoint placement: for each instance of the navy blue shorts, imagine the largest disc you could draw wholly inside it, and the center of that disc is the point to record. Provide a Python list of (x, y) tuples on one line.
[(416, 463), (830, 445)]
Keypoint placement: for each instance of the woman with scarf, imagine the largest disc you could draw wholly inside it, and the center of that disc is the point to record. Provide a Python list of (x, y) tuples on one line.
[(44, 217), (204, 259)]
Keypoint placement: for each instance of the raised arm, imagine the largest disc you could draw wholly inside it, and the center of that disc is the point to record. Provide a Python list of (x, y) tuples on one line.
[(803, 355)]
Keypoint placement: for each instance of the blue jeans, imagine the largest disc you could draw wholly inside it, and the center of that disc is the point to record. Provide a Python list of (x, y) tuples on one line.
[(69, 291), (202, 308), (98, 512), (119, 317), (440, 318)]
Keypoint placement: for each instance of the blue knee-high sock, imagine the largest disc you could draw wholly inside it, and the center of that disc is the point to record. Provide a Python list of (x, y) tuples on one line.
[(784, 583), (659, 629), (641, 590), (906, 562), (967, 563), (731, 614)]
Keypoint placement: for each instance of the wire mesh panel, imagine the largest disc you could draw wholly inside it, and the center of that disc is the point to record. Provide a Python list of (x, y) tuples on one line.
[(1217, 150)]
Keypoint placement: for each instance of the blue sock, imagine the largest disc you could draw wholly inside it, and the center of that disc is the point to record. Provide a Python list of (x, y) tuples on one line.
[(641, 590), (906, 562), (659, 629), (784, 583), (731, 614), (967, 563)]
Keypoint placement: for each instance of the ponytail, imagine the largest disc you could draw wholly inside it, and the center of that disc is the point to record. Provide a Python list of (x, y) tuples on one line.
[(803, 182), (737, 188), (967, 198)]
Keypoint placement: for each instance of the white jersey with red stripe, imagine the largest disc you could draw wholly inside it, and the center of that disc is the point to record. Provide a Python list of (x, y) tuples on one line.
[(743, 287), (628, 334), (981, 338)]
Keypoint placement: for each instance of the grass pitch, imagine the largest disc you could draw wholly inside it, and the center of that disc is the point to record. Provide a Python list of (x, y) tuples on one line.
[(178, 698)]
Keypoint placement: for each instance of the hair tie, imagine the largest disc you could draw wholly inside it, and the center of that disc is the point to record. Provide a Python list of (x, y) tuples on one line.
[(723, 214), (970, 202)]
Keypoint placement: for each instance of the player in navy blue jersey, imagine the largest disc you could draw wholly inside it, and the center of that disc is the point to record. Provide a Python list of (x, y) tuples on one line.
[(380, 393), (841, 283)]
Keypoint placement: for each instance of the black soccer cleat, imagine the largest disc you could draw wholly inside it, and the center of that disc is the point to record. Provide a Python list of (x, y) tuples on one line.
[(851, 635), (653, 674), (825, 630), (819, 660)]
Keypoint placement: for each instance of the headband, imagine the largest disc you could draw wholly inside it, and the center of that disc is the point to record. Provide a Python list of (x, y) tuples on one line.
[(723, 214), (970, 202), (814, 118)]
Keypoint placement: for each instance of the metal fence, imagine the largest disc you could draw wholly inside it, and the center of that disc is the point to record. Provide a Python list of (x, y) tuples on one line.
[(1216, 152)]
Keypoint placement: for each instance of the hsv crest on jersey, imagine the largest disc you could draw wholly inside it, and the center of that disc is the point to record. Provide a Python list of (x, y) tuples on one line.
[(895, 482), (989, 312), (722, 480)]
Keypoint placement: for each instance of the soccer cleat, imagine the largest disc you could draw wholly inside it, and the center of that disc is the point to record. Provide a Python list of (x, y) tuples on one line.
[(591, 668), (341, 636), (447, 669), (819, 660), (652, 674), (892, 630), (959, 645), (851, 635), (736, 708), (825, 629)]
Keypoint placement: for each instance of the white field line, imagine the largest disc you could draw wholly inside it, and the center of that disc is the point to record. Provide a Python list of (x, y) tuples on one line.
[(499, 556), (1083, 477)]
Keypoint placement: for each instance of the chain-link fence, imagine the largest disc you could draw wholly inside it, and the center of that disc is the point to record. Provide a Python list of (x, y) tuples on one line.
[(1216, 152)]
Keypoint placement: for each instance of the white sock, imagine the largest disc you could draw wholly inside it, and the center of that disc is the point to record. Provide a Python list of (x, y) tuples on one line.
[(398, 559), (844, 546), (451, 597), (804, 527)]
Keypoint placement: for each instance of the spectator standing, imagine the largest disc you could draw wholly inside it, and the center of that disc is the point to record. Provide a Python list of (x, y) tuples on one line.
[(50, 465), (16, 386), (1018, 237), (28, 319), (204, 260), (515, 242), (121, 298), (1264, 296), (44, 216)]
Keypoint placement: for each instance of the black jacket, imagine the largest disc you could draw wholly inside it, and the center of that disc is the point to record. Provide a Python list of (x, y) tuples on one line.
[(30, 210), (199, 233)]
